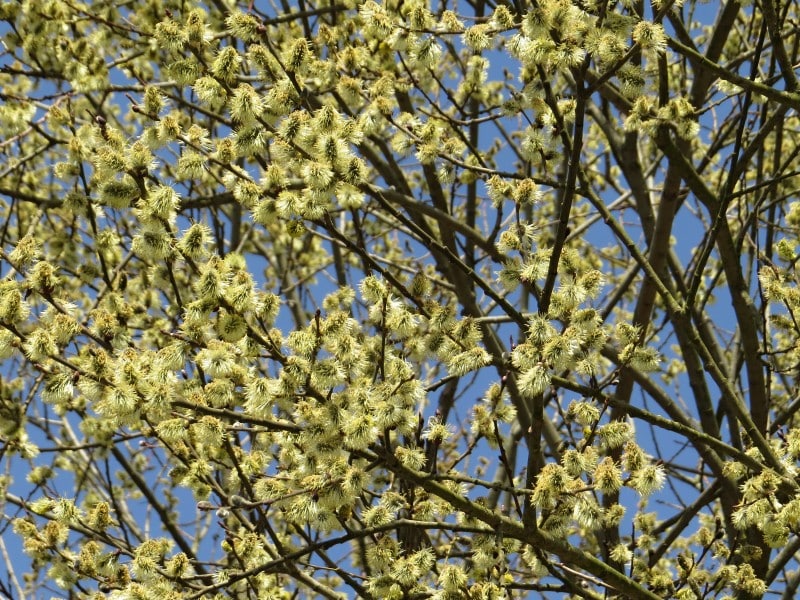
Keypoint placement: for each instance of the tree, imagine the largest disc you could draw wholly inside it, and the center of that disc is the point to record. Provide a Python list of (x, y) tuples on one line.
[(399, 300)]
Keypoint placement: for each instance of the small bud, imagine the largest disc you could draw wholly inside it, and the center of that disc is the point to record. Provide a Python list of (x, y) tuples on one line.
[(237, 501)]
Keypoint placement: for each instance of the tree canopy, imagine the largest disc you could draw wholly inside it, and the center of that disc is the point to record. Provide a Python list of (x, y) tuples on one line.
[(359, 299)]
